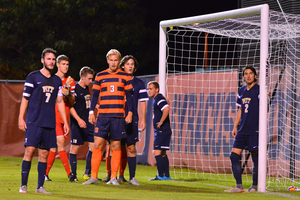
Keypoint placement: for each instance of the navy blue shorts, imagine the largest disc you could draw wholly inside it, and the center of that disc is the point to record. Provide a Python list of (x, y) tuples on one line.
[(81, 135), (132, 132), (249, 142), (39, 137), (162, 139), (110, 128)]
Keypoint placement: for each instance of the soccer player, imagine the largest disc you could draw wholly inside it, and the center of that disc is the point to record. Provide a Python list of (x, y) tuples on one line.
[(129, 65), (62, 63), (245, 129), (81, 130), (111, 86), (41, 90), (162, 131)]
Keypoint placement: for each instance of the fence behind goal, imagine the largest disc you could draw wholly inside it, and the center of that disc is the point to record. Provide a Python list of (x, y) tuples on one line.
[(203, 65)]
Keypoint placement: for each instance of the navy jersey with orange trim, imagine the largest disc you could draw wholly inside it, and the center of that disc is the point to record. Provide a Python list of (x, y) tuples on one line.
[(112, 87)]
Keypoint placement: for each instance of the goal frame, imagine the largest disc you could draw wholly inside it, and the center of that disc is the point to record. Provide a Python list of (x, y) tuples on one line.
[(263, 10)]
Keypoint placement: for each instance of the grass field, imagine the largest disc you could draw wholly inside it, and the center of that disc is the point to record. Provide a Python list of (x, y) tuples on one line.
[(61, 188)]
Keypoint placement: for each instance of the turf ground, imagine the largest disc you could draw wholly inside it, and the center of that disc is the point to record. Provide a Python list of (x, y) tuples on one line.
[(61, 188)]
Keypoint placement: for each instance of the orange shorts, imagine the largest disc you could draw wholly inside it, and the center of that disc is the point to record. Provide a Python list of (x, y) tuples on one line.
[(60, 130)]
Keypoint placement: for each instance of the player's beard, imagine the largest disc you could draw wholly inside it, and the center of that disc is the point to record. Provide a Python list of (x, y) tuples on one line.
[(49, 70)]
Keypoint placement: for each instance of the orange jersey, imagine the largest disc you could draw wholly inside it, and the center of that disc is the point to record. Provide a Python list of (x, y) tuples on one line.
[(57, 113), (112, 87)]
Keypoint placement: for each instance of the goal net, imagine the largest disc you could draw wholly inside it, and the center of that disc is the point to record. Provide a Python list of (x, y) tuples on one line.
[(201, 63)]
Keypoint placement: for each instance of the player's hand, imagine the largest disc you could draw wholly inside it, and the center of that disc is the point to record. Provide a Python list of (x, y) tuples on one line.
[(128, 118), (234, 132), (22, 125), (92, 119), (65, 91), (158, 124), (69, 82), (66, 129), (67, 87), (81, 123), (143, 126)]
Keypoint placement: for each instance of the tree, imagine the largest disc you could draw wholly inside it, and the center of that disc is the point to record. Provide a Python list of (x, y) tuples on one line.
[(84, 30)]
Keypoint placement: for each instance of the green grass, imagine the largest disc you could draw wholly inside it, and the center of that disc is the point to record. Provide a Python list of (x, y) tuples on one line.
[(61, 188)]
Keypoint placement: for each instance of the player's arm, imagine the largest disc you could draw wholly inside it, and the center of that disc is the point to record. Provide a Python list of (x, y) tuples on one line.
[(128, 118), (80, 121), (164, 116), (62, 110), (143, 105), (23, 108), (94, 100), (237, 121)]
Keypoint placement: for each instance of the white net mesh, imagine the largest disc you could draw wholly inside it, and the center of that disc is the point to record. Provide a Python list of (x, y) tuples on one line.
[(204, 66)]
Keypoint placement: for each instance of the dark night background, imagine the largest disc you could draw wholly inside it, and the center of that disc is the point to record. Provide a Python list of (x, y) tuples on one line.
[(85, 30)]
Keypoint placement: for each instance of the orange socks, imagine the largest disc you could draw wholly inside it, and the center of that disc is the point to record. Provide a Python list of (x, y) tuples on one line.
[(96, 161), (115, 162), (123, 160), (65, 161), (50, 161)]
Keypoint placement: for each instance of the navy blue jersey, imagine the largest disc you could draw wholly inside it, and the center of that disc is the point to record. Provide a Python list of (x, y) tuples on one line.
[(248, 101), (42, 93), (139, 94), (159, 104), (82, 106)]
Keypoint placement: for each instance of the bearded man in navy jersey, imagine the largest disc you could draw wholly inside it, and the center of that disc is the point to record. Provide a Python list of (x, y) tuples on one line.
[(245, 129), (41, 90)]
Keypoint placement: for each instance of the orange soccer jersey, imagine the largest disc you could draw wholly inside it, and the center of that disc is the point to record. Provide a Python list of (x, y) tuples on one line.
[(57, 113), (112, 87)]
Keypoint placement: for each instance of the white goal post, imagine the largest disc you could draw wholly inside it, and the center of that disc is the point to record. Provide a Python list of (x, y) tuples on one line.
[(263, 10)]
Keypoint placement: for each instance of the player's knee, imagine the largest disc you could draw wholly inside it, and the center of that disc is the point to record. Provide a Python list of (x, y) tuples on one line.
[(254, 153), (234, 157), (43, 155)]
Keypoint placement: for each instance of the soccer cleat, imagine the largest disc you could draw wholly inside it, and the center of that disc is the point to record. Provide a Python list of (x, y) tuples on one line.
[(252, 189), (76, 179), (133, 181), (72, 177), (86, 177), (106, 179), (167, 178), (47, 178), (235, 190), (42, 190), (91, 181), (121, 179), (23, 189), (157, 178), (113, 181)]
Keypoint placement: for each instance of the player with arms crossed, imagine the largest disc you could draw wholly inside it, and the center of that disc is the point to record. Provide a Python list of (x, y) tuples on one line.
[(111, 86), (62, 63), (129, 65), (245, 130), (162, 131), (81, 130), (41, 90)]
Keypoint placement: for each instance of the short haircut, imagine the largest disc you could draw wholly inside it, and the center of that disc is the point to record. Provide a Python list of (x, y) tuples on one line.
[(125, 59), (62, 57), (155, 83), (85, 71), (113, 52), (48, 50), (252, 69)]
